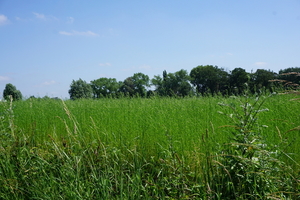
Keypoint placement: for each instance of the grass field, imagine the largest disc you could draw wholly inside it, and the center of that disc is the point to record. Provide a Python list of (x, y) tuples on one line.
[(158, 148)]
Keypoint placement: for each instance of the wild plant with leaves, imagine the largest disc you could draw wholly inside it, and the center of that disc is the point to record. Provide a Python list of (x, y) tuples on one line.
[(248, 167)]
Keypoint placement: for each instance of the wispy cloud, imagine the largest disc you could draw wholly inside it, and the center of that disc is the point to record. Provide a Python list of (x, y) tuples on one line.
[(104, 64), (4, 78), (39, 16), (18, 18), (70, 20), (3, 20), (65, 33), (260, 64), (44, 17), (83, 33)]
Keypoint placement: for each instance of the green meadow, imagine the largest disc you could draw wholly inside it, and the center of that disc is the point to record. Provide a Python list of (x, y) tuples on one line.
[(156, 148)]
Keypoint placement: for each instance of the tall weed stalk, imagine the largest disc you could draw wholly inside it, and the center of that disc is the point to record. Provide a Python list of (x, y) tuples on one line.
[(246, 167)]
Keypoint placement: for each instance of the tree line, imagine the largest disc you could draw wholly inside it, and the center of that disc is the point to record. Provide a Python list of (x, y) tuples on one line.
[(202, 80)]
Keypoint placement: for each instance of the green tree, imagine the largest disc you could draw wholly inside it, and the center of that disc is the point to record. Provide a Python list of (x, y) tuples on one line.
[(104, 87), (260, 80), (181, 83), (136, 85), (80, 89), (11, 90), (173, 84), (291, 74), (238, 79), (209, 78), (165, 74), (159, 83)]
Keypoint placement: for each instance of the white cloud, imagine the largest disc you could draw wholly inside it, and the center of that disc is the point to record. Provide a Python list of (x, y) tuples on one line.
[(65, 33), (39, 16), (3, 20), (104, 64), (70, 20), (4, 78), (260, 64), (21, 19), (83, 33), (44, 17)]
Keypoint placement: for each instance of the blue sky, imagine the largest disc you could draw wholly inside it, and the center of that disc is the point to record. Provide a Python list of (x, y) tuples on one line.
[(45, 44)]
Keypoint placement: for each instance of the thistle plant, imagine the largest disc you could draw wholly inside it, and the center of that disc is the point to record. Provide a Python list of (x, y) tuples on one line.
[(247, 167)]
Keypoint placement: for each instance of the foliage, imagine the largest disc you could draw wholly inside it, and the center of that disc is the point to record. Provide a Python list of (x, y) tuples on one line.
[(209, 78), (259, 81), (173, 84), (291, 74), (252, 168), (135, 85), (80, 89), (204, 80), (238, 79), (11, 90), (288, 79), (104, 87)]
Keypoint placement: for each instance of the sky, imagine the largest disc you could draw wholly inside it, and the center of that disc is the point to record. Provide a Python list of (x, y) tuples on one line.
[(46, 44)]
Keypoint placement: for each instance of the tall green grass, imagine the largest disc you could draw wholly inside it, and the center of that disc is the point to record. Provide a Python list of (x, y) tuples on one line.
[(159, 148)]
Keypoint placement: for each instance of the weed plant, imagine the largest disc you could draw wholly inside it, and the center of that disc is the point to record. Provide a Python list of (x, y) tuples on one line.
[(248, 167)]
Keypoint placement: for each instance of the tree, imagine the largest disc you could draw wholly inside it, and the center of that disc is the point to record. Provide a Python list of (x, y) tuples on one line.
[(11, 90), (165, 74), (181, 83), (104, 87), (136, 85), (80, 89), (159, 84), (291, 74), (260, 80), (173, 84), (209, 78), (238, 79), (128, 87)]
